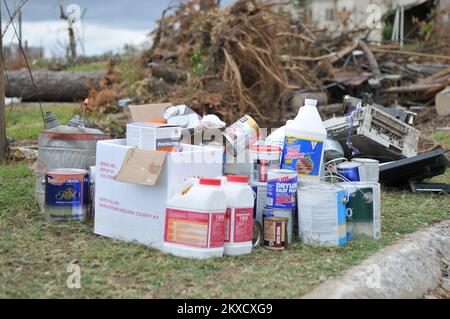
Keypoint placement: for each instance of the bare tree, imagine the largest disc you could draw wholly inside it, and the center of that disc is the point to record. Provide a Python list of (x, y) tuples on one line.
[(72, 42)]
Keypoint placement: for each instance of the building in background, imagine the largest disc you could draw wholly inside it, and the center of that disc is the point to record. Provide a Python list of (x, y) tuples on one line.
[(346, 15), (13, 52)]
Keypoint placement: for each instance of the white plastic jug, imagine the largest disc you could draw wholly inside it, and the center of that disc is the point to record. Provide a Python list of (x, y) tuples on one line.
[(239, 216), (195, 220), (304, 143)]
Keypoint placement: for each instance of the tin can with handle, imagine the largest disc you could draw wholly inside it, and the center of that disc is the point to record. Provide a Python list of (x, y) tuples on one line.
[(281, 189), (275, 233), (349, 170), (67, 193)]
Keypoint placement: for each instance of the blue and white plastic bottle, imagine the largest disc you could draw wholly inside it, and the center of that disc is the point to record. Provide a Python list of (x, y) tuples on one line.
[(304, 143)]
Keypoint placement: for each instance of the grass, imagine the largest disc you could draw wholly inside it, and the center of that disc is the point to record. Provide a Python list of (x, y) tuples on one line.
[(25, 122), (94, 66), (35, 254)]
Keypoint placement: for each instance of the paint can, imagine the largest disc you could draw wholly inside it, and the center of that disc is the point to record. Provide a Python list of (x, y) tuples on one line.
[(322, 214), (349, 170), (241, 134), (281, 189), (275, 233), (263, 158), (260, 194), (369, 170), (363, 209), (285, 213), (67, 194)]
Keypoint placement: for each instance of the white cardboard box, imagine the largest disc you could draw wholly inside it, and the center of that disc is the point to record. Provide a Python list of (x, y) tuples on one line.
[(136, 212), (153, 137)]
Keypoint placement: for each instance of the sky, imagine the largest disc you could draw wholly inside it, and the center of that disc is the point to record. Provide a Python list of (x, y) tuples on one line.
[(107, 25)]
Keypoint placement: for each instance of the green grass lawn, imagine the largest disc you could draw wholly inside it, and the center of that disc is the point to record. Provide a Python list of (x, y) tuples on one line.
[(35, 253), (24, 122)]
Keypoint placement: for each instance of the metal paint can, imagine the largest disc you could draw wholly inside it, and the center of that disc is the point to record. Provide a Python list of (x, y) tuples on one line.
[(322, 214), (369, 170), (285, 213), (241, 134), (363, 209), (263, 158), (281, 189), (275, 233), (349, 170), (260, 193), (67, 194)]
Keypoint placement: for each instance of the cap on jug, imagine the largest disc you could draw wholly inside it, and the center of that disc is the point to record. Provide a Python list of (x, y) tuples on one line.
[(310, 102), (237, 179), (210, 182)]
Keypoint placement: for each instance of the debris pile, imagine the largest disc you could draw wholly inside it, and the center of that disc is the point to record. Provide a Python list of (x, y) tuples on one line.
[(254, 58)]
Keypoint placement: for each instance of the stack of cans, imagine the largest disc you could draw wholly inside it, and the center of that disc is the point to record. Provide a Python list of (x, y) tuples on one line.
[(281, 197)]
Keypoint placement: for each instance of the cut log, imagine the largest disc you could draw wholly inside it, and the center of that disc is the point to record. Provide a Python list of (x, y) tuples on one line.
[(293, 100), (443, 102), (52, 86), (168, 74)]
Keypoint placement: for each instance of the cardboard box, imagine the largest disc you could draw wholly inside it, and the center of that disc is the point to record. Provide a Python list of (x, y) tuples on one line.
[(153, 137), (132, 187)]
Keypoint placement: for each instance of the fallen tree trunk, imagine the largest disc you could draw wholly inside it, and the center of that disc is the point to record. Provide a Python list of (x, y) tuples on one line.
[(370, 57), (52, 86)]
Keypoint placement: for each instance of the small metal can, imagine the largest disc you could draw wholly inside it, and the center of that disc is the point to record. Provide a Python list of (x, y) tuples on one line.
[(349, 170), (241, 134), (285, 213), (275, 233), (281, 189), (67, 194), (369, 170)]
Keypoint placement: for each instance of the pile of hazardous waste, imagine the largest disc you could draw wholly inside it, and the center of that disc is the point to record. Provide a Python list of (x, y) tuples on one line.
[(190, 186)]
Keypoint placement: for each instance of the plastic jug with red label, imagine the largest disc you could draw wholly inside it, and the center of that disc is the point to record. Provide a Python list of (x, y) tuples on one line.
[(195, 220), (239, 216)]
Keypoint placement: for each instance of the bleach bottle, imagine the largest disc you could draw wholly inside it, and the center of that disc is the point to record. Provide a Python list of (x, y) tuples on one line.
[(304, 143), (195, 220), (239, 216)]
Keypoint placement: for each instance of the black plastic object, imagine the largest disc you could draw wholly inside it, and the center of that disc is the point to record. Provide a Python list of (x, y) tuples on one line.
[(414, 169), (438, 188)]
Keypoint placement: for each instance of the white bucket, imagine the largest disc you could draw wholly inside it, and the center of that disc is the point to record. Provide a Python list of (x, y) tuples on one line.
[(369, 170)]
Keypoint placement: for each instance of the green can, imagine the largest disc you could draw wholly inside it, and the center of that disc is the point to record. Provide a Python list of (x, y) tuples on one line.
[(363, 209)]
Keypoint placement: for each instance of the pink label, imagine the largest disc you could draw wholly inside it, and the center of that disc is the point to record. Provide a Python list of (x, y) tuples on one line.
[(227, 225), (243, 225), (217, 230)]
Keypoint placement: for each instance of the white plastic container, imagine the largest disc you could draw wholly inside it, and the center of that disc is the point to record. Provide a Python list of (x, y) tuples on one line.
[(195, 220), (239, 216), (276, 138), (304, 143)]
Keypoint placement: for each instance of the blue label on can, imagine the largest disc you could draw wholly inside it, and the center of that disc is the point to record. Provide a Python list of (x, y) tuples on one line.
[(69, 193), (350, 173), (342, 217), (302, 155), (281, 193)]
